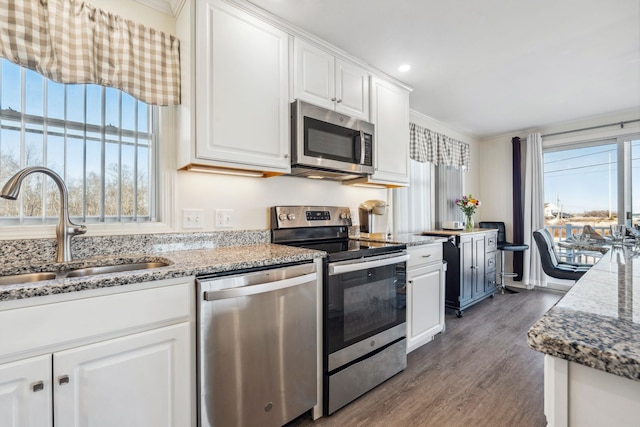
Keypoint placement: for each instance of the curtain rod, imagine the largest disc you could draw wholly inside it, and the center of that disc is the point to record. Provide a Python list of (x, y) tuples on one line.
[(621, 124)]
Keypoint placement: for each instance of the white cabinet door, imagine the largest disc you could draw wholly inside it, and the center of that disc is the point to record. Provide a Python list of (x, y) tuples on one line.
[(242, 90), (328, 82), (425, 303), (390, 115), (314, 75), (134, 381), (352, 90), (25, 393)]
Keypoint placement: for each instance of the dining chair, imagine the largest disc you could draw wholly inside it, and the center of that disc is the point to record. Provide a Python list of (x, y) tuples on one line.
[(550, 261), (503, 246)]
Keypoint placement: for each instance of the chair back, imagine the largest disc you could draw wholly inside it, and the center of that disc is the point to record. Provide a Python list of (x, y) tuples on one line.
[(502, 234), (546, 247)]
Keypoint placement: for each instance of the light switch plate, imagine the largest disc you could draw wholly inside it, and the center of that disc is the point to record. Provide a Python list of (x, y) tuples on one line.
[(192, 218), (224, 218)]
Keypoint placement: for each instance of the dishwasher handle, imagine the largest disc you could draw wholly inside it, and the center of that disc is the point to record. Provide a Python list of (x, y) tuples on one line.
[(347, 267), (259, 288)]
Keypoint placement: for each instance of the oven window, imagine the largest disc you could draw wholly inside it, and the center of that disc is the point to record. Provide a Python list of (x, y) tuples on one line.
[(363, 303), (368, 307)]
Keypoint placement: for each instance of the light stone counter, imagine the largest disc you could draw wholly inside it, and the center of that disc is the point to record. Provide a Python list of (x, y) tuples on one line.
[(409, 239), (187, 254), (597, 323)]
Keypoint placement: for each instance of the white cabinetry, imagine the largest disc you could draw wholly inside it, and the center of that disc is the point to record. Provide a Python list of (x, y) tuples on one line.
[(390, 115), (330, 82), (122, 359), (240, 113), (25, 393), (425, 294)]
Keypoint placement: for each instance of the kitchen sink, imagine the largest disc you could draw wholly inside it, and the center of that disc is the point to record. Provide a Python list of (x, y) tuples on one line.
[(26, 278), (119, 268), (81, 272)]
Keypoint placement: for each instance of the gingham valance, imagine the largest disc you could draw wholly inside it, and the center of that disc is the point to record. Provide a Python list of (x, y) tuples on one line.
[(70, 41), (428, 146)]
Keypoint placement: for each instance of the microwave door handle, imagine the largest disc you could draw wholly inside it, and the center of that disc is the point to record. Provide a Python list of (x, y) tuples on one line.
[(362, 147)]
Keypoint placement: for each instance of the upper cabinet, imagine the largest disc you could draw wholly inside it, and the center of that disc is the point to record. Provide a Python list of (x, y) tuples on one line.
[(390, 115), (239, 111), (330, 82)]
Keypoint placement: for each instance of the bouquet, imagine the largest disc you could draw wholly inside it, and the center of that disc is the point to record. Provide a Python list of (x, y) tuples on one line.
[(468, 204)]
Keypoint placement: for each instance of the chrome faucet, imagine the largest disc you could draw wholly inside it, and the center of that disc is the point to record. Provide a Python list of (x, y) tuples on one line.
[(65, 229)]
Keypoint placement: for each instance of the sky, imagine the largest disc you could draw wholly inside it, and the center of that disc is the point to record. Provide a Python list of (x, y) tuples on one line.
[(585, 179)]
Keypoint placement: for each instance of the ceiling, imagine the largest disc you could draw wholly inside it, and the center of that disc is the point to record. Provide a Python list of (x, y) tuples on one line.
[(490, 67)]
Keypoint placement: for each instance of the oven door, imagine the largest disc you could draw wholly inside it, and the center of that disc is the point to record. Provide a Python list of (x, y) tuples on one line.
[(364, 298)]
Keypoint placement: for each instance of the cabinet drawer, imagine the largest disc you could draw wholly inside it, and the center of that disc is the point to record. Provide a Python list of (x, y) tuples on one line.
[(490, 262), (427, 254), (83, 320), (491, 242)]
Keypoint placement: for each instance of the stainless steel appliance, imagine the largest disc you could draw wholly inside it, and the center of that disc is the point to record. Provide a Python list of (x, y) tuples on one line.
[(329, 144), (257, 346), (364, 300), (374, 220)]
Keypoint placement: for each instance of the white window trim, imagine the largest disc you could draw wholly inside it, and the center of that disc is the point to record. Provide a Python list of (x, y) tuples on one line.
[(166, 183)]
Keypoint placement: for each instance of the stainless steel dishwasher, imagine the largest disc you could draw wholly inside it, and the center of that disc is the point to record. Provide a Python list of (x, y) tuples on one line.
[(257, 346)]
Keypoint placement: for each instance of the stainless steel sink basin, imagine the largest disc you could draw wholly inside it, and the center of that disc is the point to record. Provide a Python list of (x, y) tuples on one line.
[(80, 272), (26, 278), (120, 268)]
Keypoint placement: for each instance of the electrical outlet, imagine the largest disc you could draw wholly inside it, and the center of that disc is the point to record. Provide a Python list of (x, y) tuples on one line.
[(192, 218), (224, 218)]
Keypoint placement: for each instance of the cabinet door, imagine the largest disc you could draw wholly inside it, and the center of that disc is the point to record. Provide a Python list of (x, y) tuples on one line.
[(425, 303), (390, 115), (25, 393), (314, 75), (466, 270), (242, 94), (479, 279), (352, 90), (134, 381)]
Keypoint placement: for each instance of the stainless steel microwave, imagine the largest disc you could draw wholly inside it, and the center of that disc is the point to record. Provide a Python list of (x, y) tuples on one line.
[(326, 144)]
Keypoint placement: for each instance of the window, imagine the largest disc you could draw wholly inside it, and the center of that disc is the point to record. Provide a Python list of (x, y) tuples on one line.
[(100, 140), (412, 204), (592, 184)]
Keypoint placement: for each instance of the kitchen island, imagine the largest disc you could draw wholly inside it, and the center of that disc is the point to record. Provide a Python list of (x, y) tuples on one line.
[(591, 342)]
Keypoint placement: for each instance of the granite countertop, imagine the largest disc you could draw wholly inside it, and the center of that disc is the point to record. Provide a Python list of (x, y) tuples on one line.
[(409, 239), (182, 263), (597, 323)]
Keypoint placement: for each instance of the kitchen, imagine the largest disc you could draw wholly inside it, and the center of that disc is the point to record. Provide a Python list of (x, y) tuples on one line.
[(244, 202)]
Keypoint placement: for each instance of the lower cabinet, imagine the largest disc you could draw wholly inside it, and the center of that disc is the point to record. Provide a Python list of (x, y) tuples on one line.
[(425, 295), (471, 260), (137, 380), (119, 378)]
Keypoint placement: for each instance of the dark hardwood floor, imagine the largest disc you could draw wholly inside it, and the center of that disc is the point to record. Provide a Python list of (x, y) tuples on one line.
[(479, 372)]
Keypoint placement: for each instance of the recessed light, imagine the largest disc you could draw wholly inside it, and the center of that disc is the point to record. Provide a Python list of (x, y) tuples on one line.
[(404, 68)]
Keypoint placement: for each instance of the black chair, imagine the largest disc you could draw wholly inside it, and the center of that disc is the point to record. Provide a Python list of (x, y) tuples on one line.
[(503, 246), (551, 264)]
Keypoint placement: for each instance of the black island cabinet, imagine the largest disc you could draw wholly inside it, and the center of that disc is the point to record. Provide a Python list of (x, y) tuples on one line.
[(471, 266)]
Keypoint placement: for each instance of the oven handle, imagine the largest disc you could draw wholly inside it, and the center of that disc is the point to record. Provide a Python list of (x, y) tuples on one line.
[(349, 266)]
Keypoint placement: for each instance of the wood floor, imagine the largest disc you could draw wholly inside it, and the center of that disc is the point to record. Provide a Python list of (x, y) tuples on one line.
[(479, 372)]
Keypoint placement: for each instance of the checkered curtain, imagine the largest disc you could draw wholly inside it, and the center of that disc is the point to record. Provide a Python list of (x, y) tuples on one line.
[(428, 146), (70, 41)]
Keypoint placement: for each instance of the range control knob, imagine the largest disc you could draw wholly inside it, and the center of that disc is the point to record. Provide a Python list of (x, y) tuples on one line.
[(282, 216), (291, 216), (345, 215)]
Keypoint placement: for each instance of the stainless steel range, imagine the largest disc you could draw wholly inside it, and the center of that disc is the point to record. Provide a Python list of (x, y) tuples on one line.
[(364, 300)]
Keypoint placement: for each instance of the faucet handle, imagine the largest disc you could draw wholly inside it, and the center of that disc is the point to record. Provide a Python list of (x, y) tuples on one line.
[(77, 229)]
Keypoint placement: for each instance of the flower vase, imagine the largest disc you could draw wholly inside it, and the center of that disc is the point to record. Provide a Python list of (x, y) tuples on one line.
[(470, 224)]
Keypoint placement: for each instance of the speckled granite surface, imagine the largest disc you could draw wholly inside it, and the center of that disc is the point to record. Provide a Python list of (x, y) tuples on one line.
[(187, 254), (597, 323), (409, 239)]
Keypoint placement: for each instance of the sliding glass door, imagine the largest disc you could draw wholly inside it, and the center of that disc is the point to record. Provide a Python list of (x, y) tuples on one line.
[(593, 183)]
